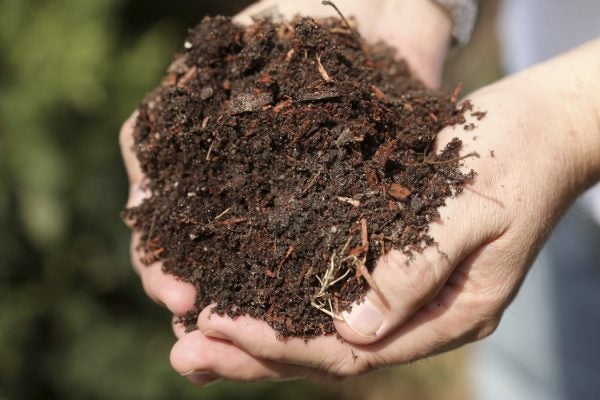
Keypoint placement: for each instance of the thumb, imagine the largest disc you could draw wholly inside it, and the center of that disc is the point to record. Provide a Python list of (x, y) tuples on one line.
[(402, 284)]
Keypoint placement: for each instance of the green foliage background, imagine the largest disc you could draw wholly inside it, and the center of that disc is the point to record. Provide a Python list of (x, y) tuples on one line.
[(74, 321)]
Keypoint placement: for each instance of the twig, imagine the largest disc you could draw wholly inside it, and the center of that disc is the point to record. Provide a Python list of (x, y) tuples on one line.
[(205, 122), (326, 282), (289, 55), (223, 213), (472, 154), (322, 70), (232, 221), (433, 162), (364, 272), (330, 3), (151, 231), (456, 93), (287, 255), (210, 150), (312, 182), (348, 200), (326, 311), (346, 245), (341, 31), (364, 233), (340, 278)]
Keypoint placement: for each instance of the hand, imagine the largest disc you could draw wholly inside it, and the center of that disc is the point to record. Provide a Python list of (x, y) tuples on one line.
[(421, 32), (543, 127)]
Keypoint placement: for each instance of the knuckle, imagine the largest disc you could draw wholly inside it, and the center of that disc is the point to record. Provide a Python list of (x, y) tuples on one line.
[(399, 274), (422, 276)]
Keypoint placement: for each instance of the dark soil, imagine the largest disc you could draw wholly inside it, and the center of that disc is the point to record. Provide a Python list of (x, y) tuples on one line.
[(284, 159)]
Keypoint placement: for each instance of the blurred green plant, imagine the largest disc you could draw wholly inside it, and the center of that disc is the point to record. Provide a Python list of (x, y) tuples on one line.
[(74, 321)]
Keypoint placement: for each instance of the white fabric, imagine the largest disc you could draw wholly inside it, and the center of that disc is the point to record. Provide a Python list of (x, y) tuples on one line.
[(463, 14)]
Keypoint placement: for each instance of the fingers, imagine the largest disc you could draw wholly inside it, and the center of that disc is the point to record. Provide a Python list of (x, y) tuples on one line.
[(420, 31), (126, 142), (137, 191), (454, 318), (291, 8), (197, 354), (405, 284), (327, 353), (178, 328), (177, 296)]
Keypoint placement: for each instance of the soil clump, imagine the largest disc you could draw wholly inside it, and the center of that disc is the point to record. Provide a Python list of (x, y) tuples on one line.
[(283, 160)]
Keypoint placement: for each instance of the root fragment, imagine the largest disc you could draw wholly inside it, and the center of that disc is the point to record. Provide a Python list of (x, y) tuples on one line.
[(350, 201), (322, 70)]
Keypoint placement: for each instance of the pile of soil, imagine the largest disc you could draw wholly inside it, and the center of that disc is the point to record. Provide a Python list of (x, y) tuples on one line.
[(284, 159)]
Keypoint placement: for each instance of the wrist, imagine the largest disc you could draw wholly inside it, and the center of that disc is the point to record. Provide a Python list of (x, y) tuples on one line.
[(557, 106), (572, 83)]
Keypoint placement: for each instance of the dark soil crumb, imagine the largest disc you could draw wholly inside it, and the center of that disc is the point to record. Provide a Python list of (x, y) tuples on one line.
[(283, 160), (479, 115)]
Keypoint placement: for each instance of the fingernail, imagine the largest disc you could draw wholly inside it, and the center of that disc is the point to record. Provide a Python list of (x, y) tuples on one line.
[(195, 372), (364, 319)]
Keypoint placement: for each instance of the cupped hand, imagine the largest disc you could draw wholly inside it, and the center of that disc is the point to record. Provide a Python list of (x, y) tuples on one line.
[(534, 158), (420, 31)]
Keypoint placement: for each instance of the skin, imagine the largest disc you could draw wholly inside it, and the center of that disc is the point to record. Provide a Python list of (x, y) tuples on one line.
[(543, 126)]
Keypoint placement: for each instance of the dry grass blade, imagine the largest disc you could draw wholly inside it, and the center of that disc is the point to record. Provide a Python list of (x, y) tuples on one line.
[(322, 70)]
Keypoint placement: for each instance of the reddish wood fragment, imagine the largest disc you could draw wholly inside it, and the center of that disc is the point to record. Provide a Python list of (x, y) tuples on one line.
[(383, 153), (398, 191), (357, 250), (372, 180), (456, 93), (290, 250), (270, 274), (378, 93), (187, 77), (286, 103), (237, 220)]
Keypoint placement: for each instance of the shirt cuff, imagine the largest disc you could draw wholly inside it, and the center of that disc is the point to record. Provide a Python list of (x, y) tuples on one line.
[(464, 15)]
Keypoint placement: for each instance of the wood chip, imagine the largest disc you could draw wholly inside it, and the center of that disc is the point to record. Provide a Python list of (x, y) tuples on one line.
[(250, 102), (348, 200), (398, 191)]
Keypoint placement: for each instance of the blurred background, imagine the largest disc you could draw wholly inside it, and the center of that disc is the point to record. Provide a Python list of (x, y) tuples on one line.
[(74, 321)]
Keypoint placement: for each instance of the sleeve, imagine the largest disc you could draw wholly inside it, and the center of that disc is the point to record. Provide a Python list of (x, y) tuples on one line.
[(464, 15)]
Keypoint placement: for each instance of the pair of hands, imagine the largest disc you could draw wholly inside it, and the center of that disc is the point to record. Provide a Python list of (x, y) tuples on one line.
[(533, 164)]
